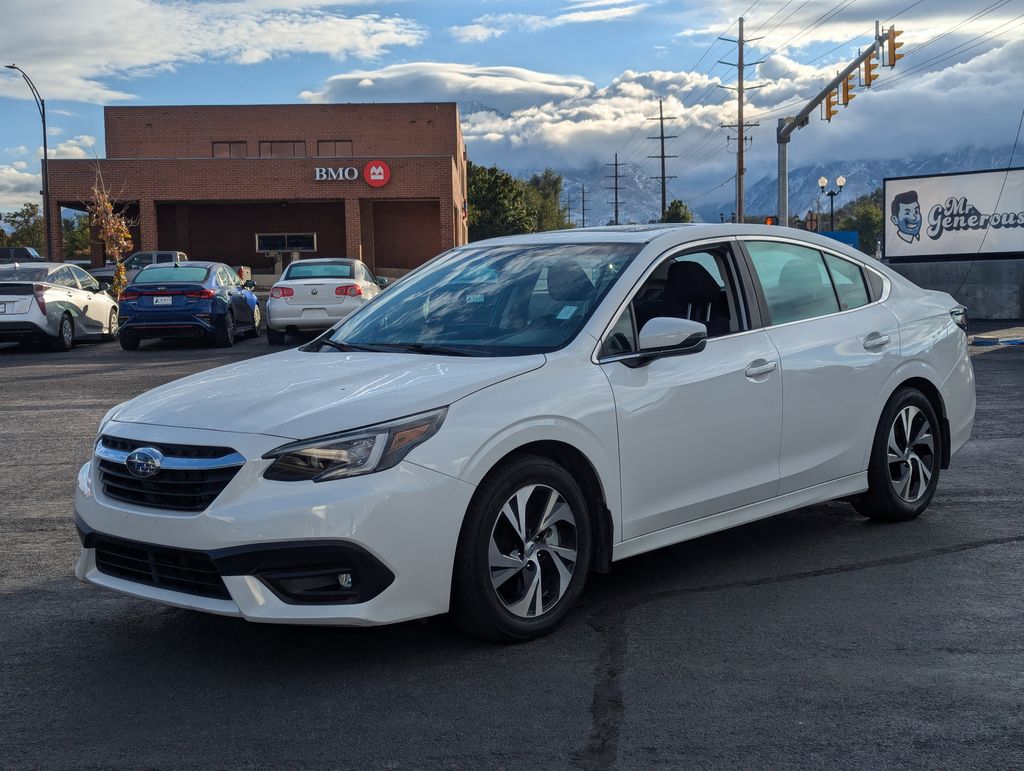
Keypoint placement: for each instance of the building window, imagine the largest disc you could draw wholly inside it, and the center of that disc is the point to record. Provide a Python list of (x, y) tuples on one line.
[(229, 150), (282, 149), (286, 242), (334, 148)]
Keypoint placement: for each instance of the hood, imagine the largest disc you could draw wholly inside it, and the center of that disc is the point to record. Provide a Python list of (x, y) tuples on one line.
[(298, 395)]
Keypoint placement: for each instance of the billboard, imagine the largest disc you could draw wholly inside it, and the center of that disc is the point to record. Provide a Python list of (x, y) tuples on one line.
[(954, 216)]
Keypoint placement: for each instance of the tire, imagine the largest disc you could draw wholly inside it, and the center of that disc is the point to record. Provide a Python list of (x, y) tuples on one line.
[(111, 325), (129, 342), (902, 475), (274, 337), (65, 339), (498, 597), (224, 337), (257, 321)]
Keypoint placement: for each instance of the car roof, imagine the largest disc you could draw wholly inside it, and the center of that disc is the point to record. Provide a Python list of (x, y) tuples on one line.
[(321, 260), (36, 264), (191, 264)]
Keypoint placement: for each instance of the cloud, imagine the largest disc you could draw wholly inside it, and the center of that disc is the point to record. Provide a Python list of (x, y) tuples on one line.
[(82, 146), (501, 88), (497, 24), (19, 165), (57, 41), (18, 150), (17, 187)]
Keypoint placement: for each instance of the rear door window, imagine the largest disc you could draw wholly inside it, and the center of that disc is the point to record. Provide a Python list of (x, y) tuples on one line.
[(794, 280), (849, 281)]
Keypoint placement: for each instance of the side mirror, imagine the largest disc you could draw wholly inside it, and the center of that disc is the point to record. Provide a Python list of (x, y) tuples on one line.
[(382, 282), (667, 336), (250, 285), (104, 286)]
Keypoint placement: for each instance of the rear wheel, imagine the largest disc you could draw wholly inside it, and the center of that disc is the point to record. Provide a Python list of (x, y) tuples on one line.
[(129, 342), (224, 337), (65, 339), (524, 552), (274, 337), (905, 459)]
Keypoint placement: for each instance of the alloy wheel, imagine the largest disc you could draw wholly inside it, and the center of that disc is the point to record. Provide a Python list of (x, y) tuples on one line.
[(532, 551), (911, 453), (113, 323), (67, 333)]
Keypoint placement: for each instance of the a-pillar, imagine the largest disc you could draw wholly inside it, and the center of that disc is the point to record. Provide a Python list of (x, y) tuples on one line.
[(147, 225), (56, 234), (353, 229)]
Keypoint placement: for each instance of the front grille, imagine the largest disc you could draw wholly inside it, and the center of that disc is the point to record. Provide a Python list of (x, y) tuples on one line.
[(190, 488), (177, 570)]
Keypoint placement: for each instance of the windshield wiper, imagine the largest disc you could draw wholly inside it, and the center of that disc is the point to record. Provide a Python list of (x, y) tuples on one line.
[(348, 347), (428, 348)]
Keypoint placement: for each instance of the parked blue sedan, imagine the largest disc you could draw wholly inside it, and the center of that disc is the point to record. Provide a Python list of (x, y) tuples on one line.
[(188, 299)]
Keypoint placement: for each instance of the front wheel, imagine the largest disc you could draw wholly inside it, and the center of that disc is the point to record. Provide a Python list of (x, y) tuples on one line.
[(905, 459), (524, 552), (224, 337)]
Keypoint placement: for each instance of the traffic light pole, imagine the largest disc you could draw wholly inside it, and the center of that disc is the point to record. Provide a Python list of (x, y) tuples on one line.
[(787, 126)]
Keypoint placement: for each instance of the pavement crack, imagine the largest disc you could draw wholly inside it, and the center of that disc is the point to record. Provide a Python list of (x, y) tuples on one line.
[(606, 704)]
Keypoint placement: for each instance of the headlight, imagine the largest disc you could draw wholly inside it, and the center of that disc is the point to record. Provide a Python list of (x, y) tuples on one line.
[(351, 453)]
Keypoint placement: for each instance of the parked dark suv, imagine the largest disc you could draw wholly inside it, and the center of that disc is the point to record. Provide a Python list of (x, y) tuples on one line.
[(12, 254)]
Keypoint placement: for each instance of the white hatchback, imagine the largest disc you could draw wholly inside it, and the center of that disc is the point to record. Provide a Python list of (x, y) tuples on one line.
[(520, 412), (315, 294)]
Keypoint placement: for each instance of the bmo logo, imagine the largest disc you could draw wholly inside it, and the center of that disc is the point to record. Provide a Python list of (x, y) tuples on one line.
[(376, 173)]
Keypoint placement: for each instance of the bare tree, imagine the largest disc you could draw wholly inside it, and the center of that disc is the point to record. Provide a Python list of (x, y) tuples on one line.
[(114, 230)]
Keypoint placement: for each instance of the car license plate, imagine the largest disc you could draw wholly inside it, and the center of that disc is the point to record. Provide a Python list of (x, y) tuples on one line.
[(158, 300)]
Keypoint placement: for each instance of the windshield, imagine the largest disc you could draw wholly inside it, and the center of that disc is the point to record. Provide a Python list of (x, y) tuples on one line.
[(318, 270), (491, 300), (178, 275)]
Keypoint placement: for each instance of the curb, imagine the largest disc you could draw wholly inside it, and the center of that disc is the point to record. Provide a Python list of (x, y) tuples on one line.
[(997, 341)]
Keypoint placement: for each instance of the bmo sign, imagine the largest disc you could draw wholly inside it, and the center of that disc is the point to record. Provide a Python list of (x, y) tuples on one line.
[(376, 173)]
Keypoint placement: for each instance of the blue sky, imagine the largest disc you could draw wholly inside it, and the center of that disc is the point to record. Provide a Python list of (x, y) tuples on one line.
[(565, 84)]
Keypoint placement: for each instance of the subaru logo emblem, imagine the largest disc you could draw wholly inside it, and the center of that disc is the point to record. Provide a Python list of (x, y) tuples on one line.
[(144, 462)]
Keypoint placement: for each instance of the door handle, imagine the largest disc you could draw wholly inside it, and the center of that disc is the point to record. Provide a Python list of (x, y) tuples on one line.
[(876, 341), (761, 367)]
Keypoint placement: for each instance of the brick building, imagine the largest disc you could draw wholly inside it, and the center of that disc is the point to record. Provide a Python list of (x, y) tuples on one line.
[(243, 184)]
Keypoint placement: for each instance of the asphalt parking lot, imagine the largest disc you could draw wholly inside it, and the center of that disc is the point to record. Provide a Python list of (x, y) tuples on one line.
[(813, 639)]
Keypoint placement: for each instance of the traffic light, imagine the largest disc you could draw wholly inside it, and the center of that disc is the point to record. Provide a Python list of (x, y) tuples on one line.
[(892, 45), (848, 86), (830, 105), (870, 74)]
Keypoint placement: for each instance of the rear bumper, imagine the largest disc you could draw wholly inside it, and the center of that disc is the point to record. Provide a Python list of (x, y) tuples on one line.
[(282, 316), (15, 331), (959, 399), (141, 326)]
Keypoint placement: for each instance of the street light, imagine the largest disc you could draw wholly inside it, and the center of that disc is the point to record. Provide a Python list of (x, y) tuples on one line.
[(41, 106), (823, 183)]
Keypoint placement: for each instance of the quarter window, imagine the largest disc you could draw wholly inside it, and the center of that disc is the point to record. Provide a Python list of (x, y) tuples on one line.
[(64, 277), (283, 149), (86, 281), (794, 279), (849, 282)]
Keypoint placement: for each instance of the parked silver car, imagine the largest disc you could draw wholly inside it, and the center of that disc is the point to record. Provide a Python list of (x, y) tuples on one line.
[(136, 262), (56, 303)]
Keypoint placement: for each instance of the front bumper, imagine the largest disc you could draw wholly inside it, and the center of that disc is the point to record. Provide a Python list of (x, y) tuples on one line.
[(404, 522)]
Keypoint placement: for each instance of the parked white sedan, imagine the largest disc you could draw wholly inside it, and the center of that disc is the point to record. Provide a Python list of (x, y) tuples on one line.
[(53, 303), (520, 412), (316, 294)]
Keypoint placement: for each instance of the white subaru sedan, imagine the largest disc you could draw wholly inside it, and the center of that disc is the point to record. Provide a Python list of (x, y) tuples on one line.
[(520, 412)]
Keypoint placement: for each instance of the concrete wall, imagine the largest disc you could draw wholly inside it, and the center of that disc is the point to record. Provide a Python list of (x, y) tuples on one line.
[(990, 289)]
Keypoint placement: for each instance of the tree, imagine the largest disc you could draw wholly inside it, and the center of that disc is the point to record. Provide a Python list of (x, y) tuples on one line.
[(27, 227), (545, 198), (113, 229), (498, 203), (677, 211), (75, 231), (863, 215)]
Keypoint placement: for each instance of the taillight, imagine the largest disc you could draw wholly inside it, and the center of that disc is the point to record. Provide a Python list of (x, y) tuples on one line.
[(201, 294), (128, 296), (39, 291), (352, 290), (959, 314), (282, 291)]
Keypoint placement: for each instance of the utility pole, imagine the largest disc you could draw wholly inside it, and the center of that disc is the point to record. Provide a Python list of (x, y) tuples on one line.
[(568, 208), (661, 136), (829, 96), (740, 125), (615, 176), (583, 205)]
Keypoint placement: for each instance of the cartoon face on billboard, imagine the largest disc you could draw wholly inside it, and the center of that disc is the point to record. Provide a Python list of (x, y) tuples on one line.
[(906, 216)]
